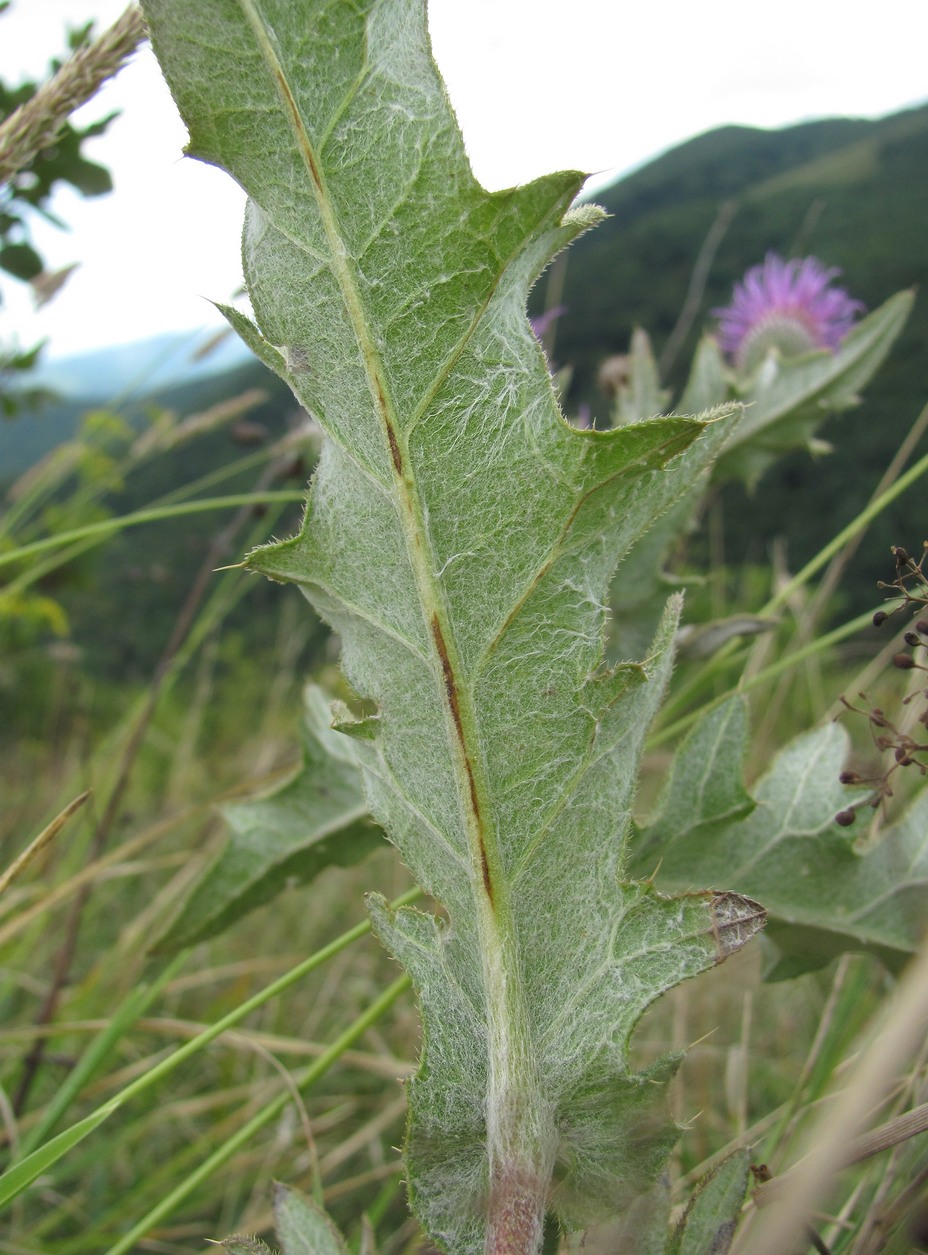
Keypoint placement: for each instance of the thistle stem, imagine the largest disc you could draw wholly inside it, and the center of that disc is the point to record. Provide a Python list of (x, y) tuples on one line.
[(517, 1211)]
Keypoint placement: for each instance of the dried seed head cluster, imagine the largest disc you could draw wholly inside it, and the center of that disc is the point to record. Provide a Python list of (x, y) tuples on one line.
[(909, 593)]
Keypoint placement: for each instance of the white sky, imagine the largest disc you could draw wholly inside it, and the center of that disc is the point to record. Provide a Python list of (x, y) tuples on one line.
[(538, 85)]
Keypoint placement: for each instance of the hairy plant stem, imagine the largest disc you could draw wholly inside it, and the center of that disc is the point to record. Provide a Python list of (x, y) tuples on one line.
[(520, 1134)]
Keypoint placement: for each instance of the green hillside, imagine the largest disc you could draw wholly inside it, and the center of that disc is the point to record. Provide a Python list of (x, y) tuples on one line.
[(148, 570), (853, 193), (121, 600)]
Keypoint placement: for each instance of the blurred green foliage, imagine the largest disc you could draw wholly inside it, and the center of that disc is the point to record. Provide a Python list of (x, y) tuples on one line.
[(107, 612)]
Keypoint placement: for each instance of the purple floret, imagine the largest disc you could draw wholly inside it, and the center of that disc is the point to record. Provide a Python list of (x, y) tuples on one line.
[(792, 302)]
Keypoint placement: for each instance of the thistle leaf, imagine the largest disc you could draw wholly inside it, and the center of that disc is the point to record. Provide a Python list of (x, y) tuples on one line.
[(317, 819), (461, 538), (707, 1227), (822, 896), (303, 1228)]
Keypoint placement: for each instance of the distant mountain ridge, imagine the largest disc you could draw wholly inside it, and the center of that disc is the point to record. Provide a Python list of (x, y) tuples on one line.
[(723, 161), (174, 367)]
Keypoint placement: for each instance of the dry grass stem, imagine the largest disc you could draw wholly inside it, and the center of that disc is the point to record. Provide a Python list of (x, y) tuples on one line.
[(777, 1229), (34, 125), (38, 844)]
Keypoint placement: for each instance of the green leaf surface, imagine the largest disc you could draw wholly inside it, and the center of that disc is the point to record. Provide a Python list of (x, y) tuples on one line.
[(303, 1228), (318, 819), (18, 1178), (707, 1227), (784, 848), (641, 594), (461, 538)]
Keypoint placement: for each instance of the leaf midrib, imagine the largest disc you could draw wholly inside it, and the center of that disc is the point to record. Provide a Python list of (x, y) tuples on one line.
[(420, 555)]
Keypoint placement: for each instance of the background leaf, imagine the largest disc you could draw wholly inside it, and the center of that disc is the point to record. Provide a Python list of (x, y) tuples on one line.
[(785, 849), (708, 1224), (303, 1228), (316, 820)]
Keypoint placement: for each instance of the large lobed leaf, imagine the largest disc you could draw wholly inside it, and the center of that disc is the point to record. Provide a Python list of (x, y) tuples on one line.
[(823, 896), (461, 538)]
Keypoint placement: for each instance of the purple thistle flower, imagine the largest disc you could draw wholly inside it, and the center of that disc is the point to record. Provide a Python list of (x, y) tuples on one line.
[(787, 305)]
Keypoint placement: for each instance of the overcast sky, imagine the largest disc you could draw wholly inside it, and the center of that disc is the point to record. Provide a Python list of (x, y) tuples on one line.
[(596, 85)]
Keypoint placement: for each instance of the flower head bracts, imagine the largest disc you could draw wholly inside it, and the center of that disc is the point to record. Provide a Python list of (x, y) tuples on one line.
[(787, 305)]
